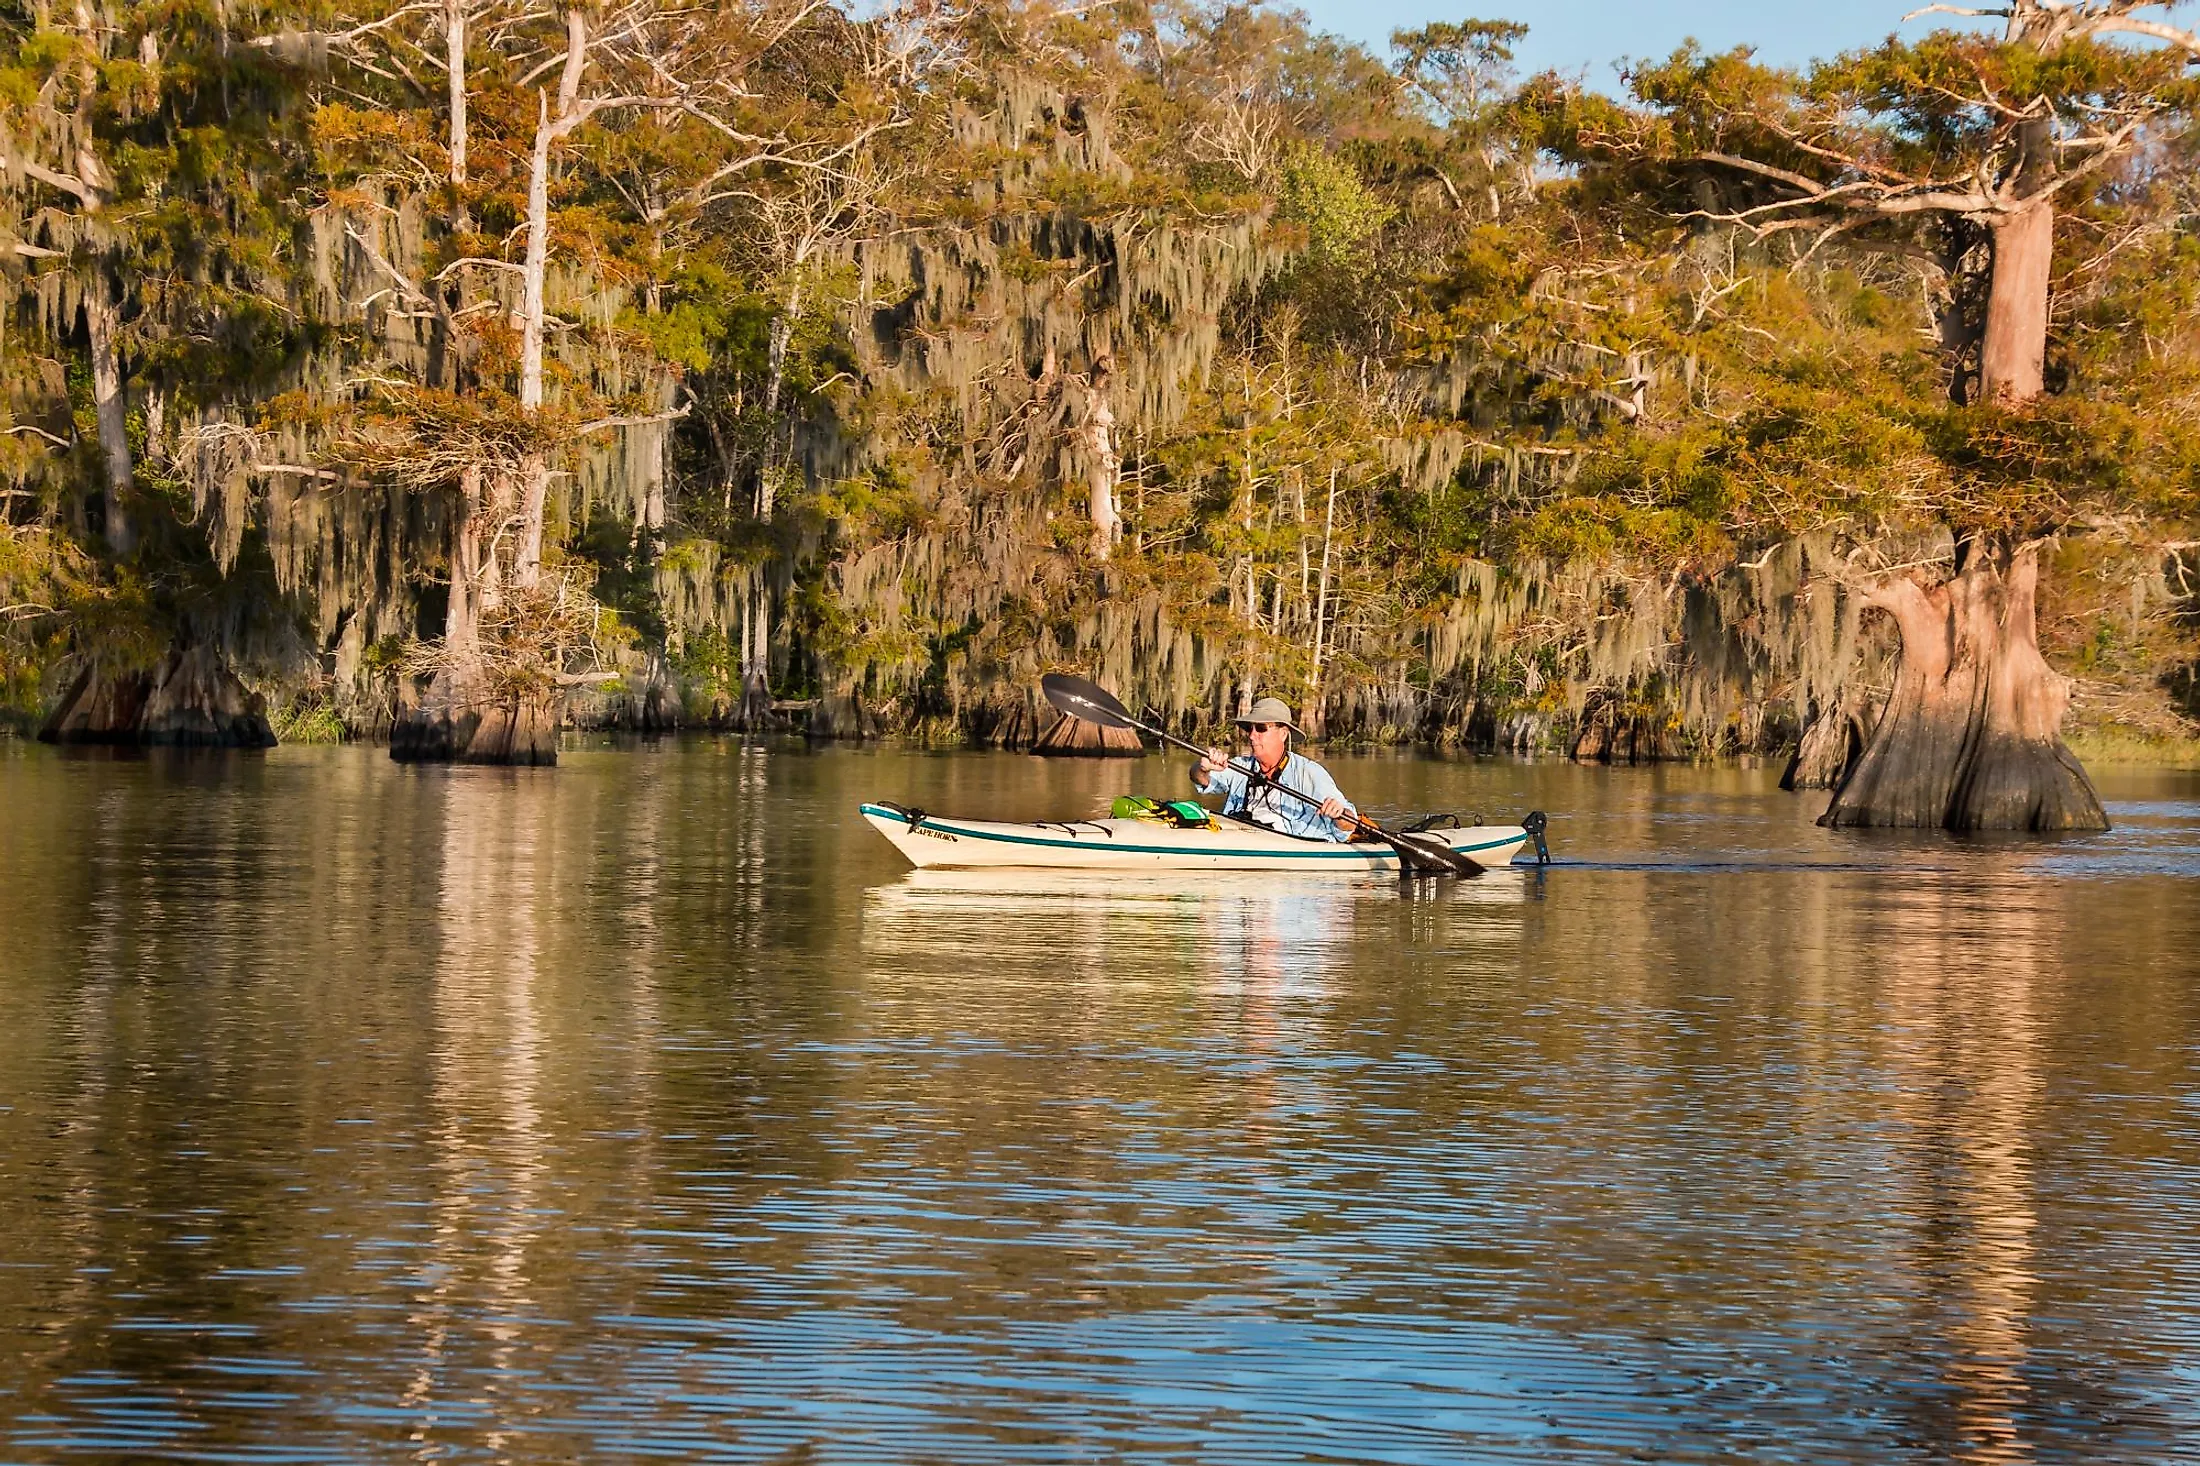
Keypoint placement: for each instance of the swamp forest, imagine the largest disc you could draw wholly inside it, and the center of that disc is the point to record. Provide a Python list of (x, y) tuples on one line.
[(451, 372)]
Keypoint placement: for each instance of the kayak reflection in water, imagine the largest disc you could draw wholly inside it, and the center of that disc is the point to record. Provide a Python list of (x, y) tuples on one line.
[(1269, 725)]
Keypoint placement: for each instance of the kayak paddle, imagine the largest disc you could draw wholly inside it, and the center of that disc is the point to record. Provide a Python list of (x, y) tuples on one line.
[(1077, 698)]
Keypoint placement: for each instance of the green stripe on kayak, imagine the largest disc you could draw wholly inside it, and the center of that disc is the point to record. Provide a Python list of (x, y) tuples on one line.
[(1339, 852)]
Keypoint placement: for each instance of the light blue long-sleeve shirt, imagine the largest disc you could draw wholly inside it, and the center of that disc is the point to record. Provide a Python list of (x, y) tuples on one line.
[(1280, 811)]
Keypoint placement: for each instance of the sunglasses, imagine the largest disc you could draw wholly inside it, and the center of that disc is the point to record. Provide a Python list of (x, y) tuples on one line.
[(1263, 727)]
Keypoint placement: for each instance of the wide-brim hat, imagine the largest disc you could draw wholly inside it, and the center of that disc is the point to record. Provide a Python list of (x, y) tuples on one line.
[(1269, 710)]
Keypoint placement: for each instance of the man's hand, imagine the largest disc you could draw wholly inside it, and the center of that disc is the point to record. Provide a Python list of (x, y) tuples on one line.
[(1214, 762), (1335, 809)]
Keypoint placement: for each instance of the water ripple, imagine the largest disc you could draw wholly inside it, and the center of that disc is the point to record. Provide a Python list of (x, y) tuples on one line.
[(649, 1109)]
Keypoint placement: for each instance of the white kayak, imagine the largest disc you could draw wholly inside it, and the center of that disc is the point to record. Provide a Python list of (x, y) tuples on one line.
[(1139, 844)]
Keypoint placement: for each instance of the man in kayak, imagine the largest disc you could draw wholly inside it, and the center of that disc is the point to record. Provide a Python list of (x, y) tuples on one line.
[(1269, 726)]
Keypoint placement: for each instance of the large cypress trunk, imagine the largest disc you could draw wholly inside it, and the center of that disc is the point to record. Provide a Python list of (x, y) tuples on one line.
[(465, 717), (190, 700), (1970, 738), (2013, 357), (459, 722), (101, 706)]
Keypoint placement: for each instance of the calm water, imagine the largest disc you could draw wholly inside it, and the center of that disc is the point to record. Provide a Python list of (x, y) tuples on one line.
[(648, 1106)]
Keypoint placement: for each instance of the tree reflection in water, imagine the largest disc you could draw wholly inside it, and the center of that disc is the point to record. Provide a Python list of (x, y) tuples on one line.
[(1965, 1057), (650, 1104), (488, 1149)]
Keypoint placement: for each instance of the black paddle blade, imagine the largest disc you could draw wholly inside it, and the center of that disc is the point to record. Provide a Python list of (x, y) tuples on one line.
[(1424, 855), (1077, 698)]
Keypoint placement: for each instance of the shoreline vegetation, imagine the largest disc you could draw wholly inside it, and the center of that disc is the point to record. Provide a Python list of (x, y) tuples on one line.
[(2117, 750), (316, 725), (450, 374)]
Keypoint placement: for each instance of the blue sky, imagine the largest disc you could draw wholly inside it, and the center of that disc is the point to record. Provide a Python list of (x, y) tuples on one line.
[(1573, 35)]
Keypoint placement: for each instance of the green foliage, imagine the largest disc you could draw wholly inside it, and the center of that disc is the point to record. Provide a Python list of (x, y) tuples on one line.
[(1424, 384), (1323, 195), (308, 720), (710, 664), (1460, 68)]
